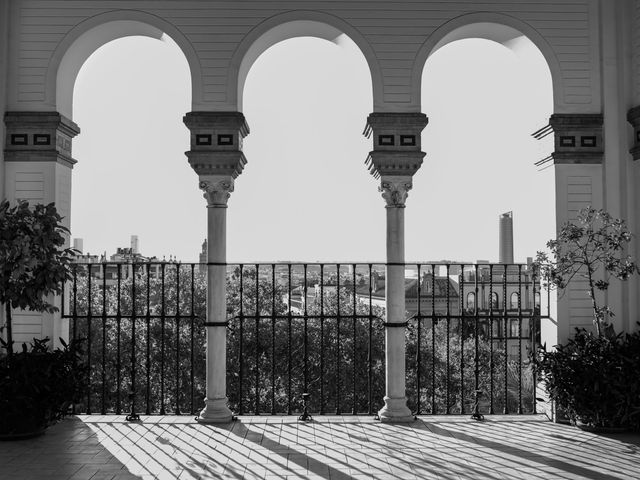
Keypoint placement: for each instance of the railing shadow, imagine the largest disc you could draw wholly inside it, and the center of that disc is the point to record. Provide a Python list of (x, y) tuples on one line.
[(329, 447)]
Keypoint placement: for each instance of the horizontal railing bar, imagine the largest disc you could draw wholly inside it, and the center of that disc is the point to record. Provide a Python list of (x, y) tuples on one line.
[(293, 317), (139, 316), (262, 263)]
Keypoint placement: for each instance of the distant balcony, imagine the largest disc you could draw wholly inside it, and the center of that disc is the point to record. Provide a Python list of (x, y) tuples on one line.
[(313, 328)]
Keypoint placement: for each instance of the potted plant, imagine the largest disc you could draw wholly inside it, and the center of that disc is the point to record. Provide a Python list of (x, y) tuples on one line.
[(593, 378), (36, 384)]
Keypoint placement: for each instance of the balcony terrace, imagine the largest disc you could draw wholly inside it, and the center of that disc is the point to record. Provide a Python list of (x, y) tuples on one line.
[(312, 328)]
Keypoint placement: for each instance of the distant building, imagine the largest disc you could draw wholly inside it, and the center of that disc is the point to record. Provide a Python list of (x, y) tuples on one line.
[(505, 239), (430, 295), (507, 294), (118, 265), (78, 244), (202, 267)]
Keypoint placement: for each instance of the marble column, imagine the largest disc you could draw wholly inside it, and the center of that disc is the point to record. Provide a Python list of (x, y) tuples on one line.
[(216, 156), (216, 191), (395, 158), (394, 191)]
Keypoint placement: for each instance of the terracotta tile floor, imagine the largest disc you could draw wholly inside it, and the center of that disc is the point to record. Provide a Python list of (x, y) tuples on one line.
[(101, 448)]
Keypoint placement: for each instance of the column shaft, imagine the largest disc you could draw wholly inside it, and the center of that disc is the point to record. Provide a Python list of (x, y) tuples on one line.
[(216, 302), (395, 408), (216, 409)]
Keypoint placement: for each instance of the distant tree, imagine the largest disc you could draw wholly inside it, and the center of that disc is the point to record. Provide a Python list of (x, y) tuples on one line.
[(269, 363)]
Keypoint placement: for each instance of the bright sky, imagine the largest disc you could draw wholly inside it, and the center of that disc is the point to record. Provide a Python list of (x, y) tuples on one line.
[(305, 193)]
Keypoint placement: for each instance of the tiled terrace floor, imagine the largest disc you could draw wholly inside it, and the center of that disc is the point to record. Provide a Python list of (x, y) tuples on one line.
[(445, 448)]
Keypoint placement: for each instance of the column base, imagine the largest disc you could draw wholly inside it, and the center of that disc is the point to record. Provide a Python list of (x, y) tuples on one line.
[(395, 410), (215, 411)]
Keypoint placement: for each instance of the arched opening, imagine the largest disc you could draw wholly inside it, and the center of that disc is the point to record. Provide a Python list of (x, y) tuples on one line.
[(471, 301), (295, 25), (132, 177), (306, 100), (495, 301), (513, 304), (87, 37), (486, 88)]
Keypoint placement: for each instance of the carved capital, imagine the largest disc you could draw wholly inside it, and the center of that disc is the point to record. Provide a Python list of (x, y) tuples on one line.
[(395, 190), (217, 191)]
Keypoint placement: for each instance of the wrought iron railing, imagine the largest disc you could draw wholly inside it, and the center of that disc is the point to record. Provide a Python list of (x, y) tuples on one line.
[(297, 328)]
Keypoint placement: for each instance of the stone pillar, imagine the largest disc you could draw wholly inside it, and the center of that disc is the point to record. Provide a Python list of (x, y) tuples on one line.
[(395, 158), (216, 156), (37, 168), (578, 157)]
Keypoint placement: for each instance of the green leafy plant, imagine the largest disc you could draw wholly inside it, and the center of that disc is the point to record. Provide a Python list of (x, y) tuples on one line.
[(591, 248), (39, 385), (594, 379), (33, 262)]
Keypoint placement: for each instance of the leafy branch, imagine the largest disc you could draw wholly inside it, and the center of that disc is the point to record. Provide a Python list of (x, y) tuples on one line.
[(33, 262), (592, 248)]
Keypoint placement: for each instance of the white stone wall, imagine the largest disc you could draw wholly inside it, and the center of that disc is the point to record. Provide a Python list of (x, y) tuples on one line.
[(4, 54), (577, 187), (4, 50), (395, 31)]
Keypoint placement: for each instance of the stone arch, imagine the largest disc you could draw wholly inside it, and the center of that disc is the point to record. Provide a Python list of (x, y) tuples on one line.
[(497, 27), (85, 38), (290, 25)]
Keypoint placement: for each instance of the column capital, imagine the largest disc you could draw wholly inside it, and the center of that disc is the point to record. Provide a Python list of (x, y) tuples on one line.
[(217, 190), (396, 142), (578, 138), (216, 142), (395, 190), (633, 117), (39, 137)]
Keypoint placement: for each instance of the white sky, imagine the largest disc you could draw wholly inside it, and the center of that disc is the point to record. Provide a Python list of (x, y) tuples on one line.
[(305, 193)]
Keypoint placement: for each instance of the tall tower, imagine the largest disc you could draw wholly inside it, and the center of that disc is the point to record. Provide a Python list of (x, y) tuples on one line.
[(506, 238), (135, 244), (78, 245)]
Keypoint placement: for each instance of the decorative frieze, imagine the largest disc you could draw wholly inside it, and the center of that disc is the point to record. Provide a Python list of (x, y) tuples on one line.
[(578, 138), (396, 143), (39, 137), (216, 142), (634, 119)]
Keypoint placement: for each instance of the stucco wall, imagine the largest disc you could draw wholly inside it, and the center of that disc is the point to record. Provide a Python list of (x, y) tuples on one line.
[(394, 30)]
